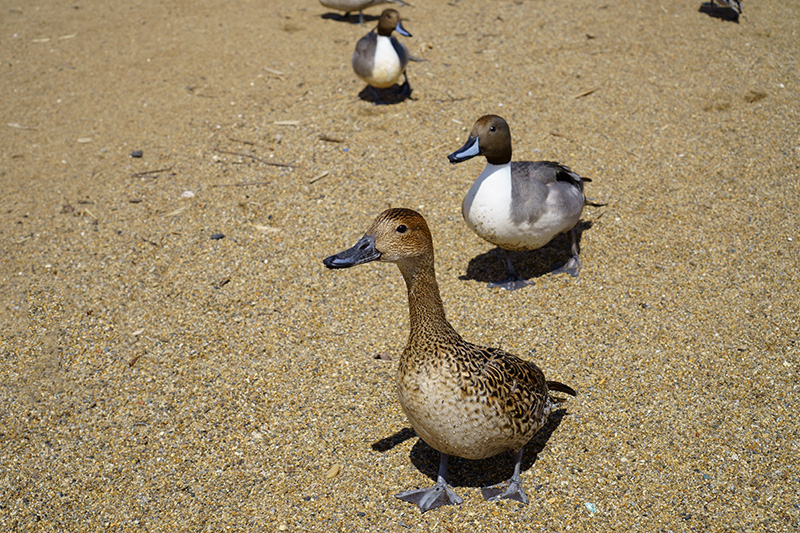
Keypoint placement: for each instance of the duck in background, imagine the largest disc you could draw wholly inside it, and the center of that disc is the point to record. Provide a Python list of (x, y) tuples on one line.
[(519, 205), (348, 6), (380, 59), (726, 10), (460, 398)]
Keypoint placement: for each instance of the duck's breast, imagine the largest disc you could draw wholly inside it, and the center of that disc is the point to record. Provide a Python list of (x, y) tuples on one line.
[(378, 65), (459, 410), (487, 208), (519, 206)]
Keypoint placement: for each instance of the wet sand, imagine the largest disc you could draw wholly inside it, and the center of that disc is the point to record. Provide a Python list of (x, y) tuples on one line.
[(156, 378)]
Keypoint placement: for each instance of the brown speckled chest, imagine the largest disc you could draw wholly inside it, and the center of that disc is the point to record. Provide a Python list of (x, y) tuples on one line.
[(469, 401)]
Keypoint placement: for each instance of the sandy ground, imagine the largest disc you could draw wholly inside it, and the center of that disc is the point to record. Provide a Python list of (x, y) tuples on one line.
[(155, 378)]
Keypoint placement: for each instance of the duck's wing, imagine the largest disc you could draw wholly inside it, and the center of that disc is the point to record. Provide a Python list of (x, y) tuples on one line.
[(364, 55), (515, 386), (401, 50), (539, 186), (545, 172)]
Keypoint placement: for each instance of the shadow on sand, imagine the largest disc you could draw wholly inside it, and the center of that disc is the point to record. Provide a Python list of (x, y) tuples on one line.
[(473, 473), (491, 266)]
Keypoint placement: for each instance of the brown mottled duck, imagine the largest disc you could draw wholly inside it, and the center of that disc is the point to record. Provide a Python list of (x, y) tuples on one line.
[(461, 399)]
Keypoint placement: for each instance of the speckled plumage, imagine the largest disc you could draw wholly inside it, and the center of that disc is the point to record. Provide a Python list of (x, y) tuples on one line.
[(461, 399)]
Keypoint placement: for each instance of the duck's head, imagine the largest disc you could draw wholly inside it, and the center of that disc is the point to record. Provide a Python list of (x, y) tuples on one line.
[(395, 236), (490, 137), (389, 22)]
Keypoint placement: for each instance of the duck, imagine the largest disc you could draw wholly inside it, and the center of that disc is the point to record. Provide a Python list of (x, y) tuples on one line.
[(462, 399), (348, 6), (734, 5), (519, 205), (380, 59)]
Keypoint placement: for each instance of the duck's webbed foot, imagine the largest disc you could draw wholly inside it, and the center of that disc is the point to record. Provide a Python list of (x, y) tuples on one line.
[(511, 283), (437, 496), (512, 490), (571, 267), (573, 264)]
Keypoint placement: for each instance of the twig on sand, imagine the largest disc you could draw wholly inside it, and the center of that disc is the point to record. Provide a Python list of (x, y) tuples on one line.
[(556, 134), (250, 143), (147, 173), (314, 180), (242, 184), (254, 158), (585, 93)]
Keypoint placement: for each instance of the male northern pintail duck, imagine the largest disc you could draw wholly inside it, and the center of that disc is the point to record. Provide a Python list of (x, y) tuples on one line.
[(519, 205), (380, 59), (348, 6), (462, 399)]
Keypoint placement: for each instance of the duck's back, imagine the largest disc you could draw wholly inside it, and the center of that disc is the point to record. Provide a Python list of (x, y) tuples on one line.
[(473, 402)]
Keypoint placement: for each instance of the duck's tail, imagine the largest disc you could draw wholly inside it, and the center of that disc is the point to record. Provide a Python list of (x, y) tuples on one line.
[(557, 386)]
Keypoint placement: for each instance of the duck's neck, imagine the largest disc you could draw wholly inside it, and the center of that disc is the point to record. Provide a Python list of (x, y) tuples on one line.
[(426, 311)]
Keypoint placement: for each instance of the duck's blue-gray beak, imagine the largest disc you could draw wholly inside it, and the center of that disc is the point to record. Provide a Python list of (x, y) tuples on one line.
[(363, 252), (401, 30), (469, 150)]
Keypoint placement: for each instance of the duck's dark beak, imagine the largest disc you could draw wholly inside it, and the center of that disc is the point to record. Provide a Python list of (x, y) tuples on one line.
[(468, 151), (363, 252)]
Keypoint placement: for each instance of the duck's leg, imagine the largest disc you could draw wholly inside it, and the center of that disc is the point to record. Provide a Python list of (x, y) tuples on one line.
[(511, 489), (405, 89), (438, 495), (360, 17), (377, 100), (513, 281), (573, 264)]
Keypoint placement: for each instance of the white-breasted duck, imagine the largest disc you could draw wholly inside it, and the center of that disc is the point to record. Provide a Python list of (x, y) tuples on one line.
[(348, 6), (519, 205), (461, 399), (380, 59)]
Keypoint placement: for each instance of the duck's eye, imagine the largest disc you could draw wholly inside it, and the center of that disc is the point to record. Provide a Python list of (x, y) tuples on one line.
[(401, 228), (492, 128)]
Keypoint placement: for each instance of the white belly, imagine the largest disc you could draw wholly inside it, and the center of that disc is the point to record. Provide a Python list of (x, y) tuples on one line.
[(487, 211), (386, 69)]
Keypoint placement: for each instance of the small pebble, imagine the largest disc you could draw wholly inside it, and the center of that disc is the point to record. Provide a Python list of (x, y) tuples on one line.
[(137, 153), (333, 471), (591, 507), (187, 194), (217, 236)]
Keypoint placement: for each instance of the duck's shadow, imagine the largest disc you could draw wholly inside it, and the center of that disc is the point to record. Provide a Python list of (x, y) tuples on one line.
[(473, 473), (351, 19), (389, 96), (719, 12), (491, 266)]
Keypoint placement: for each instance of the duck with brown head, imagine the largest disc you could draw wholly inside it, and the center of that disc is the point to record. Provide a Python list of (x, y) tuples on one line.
[(348, 6), (460, 398), (380, 59), (519, 205)]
